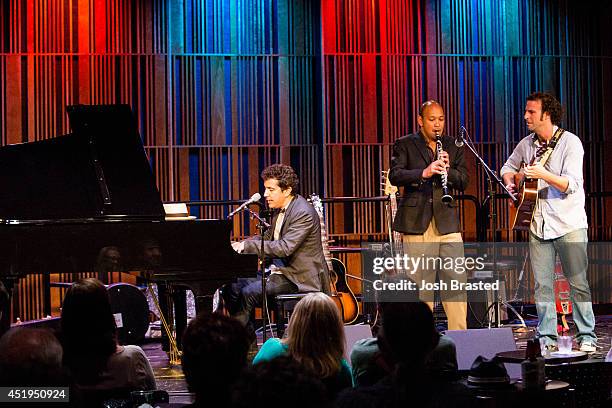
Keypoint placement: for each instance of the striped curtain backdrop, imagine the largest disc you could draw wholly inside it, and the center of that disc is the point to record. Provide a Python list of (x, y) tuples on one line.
[(221, 89)]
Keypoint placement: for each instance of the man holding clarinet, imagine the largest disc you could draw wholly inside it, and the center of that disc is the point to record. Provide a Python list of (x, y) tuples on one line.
[(428, 166)]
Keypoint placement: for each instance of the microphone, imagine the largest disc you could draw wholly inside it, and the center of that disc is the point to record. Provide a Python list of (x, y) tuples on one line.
[(254, 198), (460, 140)]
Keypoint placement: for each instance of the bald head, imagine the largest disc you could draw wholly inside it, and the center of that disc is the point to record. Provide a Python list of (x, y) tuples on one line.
[(431, 120), (428, 104)]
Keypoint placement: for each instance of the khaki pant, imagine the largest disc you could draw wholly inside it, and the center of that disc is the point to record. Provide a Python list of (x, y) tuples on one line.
[(432, 245)]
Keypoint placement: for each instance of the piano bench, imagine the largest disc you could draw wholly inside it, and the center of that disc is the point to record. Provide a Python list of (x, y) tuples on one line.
[(283, 306)]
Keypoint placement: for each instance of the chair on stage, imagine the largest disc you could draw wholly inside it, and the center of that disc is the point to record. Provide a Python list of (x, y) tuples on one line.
[(283, 307)]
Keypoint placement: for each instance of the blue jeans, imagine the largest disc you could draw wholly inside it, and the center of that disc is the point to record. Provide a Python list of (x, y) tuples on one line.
[(572, 251)]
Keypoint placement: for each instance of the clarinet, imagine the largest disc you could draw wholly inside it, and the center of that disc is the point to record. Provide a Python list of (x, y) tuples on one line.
[(446, 197)]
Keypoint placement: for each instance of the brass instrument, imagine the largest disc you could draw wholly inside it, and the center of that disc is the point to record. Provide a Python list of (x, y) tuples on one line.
[(446, 197)]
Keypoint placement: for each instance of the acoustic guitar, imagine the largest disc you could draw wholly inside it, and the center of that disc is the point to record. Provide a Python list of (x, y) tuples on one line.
[(524, 206), (341, 293), (527, 197)]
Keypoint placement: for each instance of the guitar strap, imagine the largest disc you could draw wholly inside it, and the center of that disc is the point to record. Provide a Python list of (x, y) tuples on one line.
[(544, 159), (551, 146), (540, 157)]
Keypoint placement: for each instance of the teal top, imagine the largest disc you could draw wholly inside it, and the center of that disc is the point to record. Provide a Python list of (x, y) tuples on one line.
[(274, 347)]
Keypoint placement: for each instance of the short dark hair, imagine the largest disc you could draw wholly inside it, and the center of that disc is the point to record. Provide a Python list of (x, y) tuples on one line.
[(31, 357), (550, 105), (277, 382), (285, 175), (427, 104), (215, 349), (408, 331)]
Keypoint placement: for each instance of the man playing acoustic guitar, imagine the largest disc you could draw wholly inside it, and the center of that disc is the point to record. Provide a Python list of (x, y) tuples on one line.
[(559, 222)]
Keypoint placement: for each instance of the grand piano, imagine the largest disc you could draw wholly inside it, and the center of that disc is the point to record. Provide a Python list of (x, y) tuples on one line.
[(64, 199)]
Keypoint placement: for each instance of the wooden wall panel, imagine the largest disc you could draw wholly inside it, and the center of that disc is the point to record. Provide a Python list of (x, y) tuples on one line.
[(220, 89)]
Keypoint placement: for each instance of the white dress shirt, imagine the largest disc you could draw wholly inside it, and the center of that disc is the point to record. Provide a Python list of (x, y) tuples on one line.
[(557, 212)]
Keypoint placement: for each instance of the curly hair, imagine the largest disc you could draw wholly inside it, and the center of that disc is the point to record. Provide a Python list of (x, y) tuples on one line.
[(285, 175), (550, 105)]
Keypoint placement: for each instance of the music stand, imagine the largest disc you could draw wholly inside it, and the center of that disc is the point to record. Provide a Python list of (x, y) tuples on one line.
[(492, 180)]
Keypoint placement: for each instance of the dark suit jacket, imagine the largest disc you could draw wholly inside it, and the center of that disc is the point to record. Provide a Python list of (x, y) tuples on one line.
[(422, 199), (299, 247)]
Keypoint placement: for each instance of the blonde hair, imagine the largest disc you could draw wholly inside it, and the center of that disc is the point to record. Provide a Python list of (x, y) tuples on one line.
[(315, 335)]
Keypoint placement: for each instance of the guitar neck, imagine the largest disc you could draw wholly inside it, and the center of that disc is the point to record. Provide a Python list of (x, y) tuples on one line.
[(318, 206), (325, 243), (391, 191), (397, 237)]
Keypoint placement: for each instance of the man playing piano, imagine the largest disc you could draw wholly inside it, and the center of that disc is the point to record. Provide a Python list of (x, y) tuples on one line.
[(292, 244)]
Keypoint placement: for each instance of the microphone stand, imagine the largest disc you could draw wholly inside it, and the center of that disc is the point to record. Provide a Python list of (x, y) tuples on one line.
[(492, 178), (262, 227)]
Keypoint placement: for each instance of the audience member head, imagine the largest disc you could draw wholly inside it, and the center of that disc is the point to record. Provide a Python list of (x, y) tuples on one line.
[(215, 349), (408, 332), (87, 327), (315, 335), (30, 357), (279, 382)]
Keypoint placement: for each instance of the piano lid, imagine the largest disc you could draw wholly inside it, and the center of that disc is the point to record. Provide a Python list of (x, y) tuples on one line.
[(98, 171)]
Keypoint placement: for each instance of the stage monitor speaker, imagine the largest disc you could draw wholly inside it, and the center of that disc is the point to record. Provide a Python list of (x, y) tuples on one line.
[(353, 334), (483, 342)]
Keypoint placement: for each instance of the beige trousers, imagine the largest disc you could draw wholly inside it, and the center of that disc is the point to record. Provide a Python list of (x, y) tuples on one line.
[(432, 246)]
